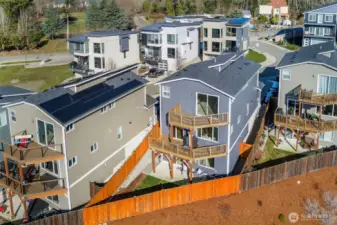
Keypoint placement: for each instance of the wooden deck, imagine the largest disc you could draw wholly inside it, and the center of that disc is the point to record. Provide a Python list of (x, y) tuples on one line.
[(44, 187), (183, 120), (317, 99), (33, 154), (294, 122), (163, 145)]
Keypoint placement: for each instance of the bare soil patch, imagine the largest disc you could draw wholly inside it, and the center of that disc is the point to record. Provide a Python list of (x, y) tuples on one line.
[(261, 206)]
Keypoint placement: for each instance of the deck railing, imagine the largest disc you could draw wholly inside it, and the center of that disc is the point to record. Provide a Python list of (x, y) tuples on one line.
[(295, 122), (163, 145), (317, 99), (180, 119)]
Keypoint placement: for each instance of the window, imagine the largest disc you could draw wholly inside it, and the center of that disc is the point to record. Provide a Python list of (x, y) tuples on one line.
[(286, 74), (3, 119), (215, 46), (238, 120), (328, 18), (207, 162), (104, 109), (209, 133), (178, 133), (171, 39), (103, 61), (119, 133), (111, 105), (205, 32), (72, 162), (51, 166), (171, 53), (247, 106), (328, 110), (321, 31), (205, 46), (327, 84), (312, 30), (97, 48), (13, 116), (70, 127), (94, 147), (232, 129), (207, 104), (54, 198), (46, 134), (108, 107), (327, 31), (215, 33), (312, 17), (98, 62), (166, 91)]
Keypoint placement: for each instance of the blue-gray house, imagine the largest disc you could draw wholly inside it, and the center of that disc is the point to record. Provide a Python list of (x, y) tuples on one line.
[(320, 25), (8, 94), (206, 110)]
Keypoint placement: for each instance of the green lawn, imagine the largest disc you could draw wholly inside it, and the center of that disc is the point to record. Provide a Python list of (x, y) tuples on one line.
[(255, 56), (77, 26), (272, 153), (149, 181), (50, 76)]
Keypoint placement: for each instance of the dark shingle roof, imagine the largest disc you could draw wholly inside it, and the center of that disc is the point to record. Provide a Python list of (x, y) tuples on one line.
[(66, 106), (9, 94), (156, 27), (323, 6), (229, 80), (102, 33), (311, 54)]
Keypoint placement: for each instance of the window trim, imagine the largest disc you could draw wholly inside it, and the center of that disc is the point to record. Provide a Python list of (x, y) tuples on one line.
[(100, 48), (206, 46), (72, 161), (165, 91), (73, 127), (219, 46), (121, 133), (58, 203), (94, 150), (168, 53), (312, 14), (196, 103), (205, 32), (100, 64), (213, 29), (286, 75), (48, 171), (328, 15), (45, 127), (206, 139), (171, 42), (318, 83), (13, 111)]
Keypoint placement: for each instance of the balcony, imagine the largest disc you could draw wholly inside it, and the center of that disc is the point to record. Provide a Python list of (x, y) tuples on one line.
[(33, 185), (317, 99), (294, 122), (183, 120), (81, 69), (176, 148), (33, 153)]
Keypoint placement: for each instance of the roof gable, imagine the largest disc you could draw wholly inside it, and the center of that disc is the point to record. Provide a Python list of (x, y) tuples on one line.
[(278, 3)]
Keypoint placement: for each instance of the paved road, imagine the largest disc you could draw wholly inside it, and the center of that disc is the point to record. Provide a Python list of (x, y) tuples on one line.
[(269, 48), (60, 58)]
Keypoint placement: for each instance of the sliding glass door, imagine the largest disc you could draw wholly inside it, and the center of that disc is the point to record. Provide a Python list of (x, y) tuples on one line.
[(207, 104), (46, 133)]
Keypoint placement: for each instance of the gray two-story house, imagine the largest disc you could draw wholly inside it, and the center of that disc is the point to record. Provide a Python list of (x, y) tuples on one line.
[(80, 132), (206, 110), (222, 34), (307, 97), (320, 25)]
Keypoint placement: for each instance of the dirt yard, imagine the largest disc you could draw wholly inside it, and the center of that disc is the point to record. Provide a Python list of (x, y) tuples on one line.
[(257, 207)]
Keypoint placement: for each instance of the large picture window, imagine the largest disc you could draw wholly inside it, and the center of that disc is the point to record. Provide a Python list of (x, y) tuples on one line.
[(46, 135), (209, 133), (207, 104), (327, 84)]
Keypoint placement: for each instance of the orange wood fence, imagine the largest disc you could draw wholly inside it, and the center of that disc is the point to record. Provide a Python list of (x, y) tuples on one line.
[(160, 200), (118, 178)]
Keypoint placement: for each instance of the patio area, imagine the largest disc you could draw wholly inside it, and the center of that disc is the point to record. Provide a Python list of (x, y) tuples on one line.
[(163, 172)]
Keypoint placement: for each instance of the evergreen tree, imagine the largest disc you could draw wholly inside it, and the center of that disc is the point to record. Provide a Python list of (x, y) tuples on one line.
[(146, 6), (179, 9), (169, 8), (93, 16), (53, 23), (114, 17)]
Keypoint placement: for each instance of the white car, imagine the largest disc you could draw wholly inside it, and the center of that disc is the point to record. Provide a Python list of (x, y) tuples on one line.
[(286, 23)]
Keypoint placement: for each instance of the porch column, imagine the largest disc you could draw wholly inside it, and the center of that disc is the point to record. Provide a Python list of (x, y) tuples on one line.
[(171, 133), (10, 194), (153, 162), (299, 109), (317, 144), (191, 139), (190, 171), (21, 176), (23, 202)]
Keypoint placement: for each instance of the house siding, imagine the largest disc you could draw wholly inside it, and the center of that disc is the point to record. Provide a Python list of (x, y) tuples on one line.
[(4, 131), (129, 113), (26, 119)]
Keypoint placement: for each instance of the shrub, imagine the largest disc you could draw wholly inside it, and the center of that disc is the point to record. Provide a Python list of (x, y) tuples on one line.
[(274, 20), (282, 218), (263, 19)]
